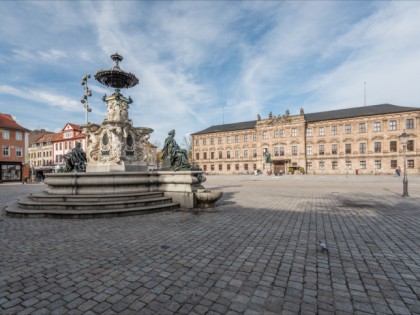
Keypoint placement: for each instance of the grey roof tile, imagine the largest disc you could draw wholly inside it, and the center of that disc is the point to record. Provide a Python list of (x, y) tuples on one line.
[(358, 111), (380, 109), (229, 127)]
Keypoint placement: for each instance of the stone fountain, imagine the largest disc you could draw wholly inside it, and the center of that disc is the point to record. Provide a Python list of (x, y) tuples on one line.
[(116, 181), (116, 146)]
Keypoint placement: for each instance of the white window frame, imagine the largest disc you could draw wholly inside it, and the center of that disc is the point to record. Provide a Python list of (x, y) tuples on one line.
[(18, 136), (265, 135), (347, 129), (393, 124), (19, 151), (6, 134)]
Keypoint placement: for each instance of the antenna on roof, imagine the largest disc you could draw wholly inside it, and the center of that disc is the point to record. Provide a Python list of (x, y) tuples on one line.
[(365, 93)]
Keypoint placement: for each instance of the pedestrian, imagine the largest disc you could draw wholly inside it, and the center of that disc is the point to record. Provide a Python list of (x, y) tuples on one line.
[(397, 171)]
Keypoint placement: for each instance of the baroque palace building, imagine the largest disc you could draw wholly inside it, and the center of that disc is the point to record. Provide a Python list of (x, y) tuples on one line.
[(361, 140)]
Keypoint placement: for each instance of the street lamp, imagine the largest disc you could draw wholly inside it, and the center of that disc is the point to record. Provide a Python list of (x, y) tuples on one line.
[(88, 93), (403, 139)]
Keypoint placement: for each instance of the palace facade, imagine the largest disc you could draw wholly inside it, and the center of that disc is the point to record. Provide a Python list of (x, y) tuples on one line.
[(362, 140)]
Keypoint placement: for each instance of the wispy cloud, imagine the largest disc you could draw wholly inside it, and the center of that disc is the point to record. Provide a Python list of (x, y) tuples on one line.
[(381, 51), (196, 60), (49, 56), (48, 98)]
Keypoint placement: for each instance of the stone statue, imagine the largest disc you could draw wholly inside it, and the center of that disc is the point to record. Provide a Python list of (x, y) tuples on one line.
[(258, 117), (267, 157), (302, 111), (287, 114), (174, 154), (75, 159), (270, 115)]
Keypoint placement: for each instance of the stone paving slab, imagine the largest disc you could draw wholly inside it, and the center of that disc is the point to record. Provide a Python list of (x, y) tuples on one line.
[(256, 253)]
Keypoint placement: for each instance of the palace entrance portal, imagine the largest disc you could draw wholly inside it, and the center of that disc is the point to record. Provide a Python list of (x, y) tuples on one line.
[(280, 166)]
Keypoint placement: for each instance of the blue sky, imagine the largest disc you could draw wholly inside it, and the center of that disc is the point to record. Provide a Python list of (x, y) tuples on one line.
[(202, 63)]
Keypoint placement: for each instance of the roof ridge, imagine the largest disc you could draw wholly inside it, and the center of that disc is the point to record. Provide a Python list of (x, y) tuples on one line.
[(369, 110)]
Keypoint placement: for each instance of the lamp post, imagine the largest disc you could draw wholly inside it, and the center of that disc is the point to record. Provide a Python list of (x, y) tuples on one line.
[(403, 139), (88, 93)]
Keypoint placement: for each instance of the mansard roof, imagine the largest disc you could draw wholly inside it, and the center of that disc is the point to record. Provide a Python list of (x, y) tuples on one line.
[(371, 110), (358, 111), (229, 127)]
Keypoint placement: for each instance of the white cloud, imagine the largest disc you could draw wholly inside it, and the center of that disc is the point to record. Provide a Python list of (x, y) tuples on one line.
[(48, 56), (51, 99), (53, 55), (6, 89), (195, 58), (381, 52), (167, 88)]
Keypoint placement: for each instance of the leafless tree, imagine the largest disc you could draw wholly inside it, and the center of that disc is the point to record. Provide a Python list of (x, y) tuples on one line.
[(187, 145)]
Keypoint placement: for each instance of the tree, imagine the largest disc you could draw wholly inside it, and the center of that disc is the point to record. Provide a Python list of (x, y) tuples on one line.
[(187, 145)]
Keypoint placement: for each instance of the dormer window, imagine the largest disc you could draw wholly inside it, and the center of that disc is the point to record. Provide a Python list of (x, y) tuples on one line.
[(68, 134)]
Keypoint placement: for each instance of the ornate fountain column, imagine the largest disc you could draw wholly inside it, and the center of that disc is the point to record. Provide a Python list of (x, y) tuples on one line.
[(116, 145)]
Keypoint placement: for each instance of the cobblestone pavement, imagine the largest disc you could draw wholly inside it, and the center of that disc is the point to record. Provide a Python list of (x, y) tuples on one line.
[(256, 253)]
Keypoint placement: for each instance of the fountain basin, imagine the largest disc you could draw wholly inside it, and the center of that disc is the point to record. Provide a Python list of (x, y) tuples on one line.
[(207, 198)]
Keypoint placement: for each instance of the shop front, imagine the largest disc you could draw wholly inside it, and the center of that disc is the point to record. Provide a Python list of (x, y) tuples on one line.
[(11, 171)]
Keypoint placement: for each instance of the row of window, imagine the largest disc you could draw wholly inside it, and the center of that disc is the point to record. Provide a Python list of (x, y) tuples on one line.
[(228, 154), (58, 159), (309, 166), (67, 145), (7, 151), (280, 151), (377, 127), (34, 155), (228, 167), (377, 147), (6, 135), (40, 144), (280, 133), (236, 139), (362, 165), (42, 163)]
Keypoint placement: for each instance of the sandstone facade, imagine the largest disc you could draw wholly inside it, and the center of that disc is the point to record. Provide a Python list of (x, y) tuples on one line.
[(363, 140)]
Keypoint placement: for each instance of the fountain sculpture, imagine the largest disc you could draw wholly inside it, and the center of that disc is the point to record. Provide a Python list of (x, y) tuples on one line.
[(116, 181), (116, 146)]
